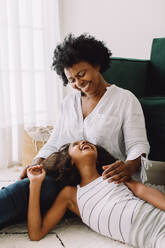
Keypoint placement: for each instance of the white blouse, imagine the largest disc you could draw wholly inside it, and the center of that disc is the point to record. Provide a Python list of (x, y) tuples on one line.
[(116, 123)]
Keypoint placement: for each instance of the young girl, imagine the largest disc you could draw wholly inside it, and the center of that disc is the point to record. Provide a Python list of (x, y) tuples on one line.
[(108, 208)]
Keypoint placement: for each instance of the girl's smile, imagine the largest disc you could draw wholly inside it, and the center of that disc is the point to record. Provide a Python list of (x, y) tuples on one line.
[(82, 149), (81, 145)]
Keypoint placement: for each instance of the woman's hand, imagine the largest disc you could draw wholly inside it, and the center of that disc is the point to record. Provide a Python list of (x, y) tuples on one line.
[(36, 173), (120, 172), (117, 172)]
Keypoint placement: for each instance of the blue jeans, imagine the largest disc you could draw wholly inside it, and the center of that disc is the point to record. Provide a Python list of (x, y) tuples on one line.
[(14, 200)]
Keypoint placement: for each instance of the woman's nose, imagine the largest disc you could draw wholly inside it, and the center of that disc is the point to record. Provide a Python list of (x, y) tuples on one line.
[(78, 83)]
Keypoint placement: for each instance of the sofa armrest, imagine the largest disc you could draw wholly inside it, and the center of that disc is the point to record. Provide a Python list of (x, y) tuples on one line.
[(129, 74)]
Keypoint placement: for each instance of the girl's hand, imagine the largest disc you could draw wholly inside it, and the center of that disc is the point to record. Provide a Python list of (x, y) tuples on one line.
[(34, 162), (36, 173)]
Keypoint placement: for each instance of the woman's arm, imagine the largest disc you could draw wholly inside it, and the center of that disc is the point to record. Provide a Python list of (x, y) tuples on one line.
[(148, 194), (135, 142), (38, 227)]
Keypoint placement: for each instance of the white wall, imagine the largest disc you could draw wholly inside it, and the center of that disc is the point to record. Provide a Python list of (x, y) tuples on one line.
[(126, 26)]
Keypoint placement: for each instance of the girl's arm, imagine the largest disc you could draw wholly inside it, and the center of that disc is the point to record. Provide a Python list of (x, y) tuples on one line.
[(148, 194), (38, 227)]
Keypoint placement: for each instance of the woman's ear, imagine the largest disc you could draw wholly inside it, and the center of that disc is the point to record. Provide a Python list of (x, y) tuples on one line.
[(98, 67)]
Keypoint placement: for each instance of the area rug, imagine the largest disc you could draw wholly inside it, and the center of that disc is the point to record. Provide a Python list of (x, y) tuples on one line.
[(69, 233)]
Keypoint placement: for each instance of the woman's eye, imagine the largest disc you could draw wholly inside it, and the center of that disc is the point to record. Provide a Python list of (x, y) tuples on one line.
[(71, 81), (81, 74)]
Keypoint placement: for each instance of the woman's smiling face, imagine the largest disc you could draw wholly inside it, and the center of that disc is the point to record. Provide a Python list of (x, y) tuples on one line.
[(84, 77), (82, 149)]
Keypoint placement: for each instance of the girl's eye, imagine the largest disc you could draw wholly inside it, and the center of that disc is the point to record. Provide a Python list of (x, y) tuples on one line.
[(74, 144)]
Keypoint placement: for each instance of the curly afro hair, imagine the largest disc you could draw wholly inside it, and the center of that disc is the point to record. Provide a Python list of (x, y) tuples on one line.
[(58, 165), (77, 49)]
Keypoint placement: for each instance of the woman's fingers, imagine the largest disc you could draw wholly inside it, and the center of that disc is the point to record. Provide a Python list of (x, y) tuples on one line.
[(119, 178), (116, 177), (112, 169), (117, 172), (122, 180)]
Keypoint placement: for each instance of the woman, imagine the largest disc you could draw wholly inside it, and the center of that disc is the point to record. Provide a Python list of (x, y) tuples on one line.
[(102, 113), (97, 111), (108, 208)]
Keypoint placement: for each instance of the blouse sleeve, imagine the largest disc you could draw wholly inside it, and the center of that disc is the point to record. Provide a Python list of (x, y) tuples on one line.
[(134, 130), (51, 145)]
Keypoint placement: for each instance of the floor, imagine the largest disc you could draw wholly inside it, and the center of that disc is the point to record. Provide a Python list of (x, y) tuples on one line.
[(69, 233)]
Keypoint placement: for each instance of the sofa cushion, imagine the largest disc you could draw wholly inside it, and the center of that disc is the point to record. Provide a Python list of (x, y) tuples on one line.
[(155, 173), (156, 83), (154, 112)]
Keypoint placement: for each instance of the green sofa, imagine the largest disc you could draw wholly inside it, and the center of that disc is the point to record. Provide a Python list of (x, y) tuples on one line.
[(146, 79)]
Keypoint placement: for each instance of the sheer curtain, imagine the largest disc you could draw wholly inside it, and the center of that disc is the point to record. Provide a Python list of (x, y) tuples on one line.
[(30, 92)]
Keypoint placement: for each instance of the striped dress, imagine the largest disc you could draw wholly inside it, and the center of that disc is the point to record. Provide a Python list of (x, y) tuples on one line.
[(112, 210)]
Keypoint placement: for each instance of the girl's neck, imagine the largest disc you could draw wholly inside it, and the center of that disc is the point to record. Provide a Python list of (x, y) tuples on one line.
[(88, 174), (88, 180)]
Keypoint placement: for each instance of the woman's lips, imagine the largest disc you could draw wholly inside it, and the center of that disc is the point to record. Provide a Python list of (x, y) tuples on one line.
[(85, 88)]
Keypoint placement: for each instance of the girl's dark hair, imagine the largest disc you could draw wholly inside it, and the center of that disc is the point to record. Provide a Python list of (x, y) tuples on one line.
[(77, 49), (58, 165)]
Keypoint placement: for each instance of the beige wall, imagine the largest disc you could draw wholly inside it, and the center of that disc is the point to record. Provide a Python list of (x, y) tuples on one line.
[(127, 26)]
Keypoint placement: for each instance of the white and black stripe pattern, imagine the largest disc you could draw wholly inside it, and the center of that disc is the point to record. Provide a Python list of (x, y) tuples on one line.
[(98, 191), (112, 210), (97, 204), (89, 189)]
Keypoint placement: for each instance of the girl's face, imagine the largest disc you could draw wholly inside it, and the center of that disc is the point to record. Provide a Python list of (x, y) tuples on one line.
[(82, 150), (83, 77)]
